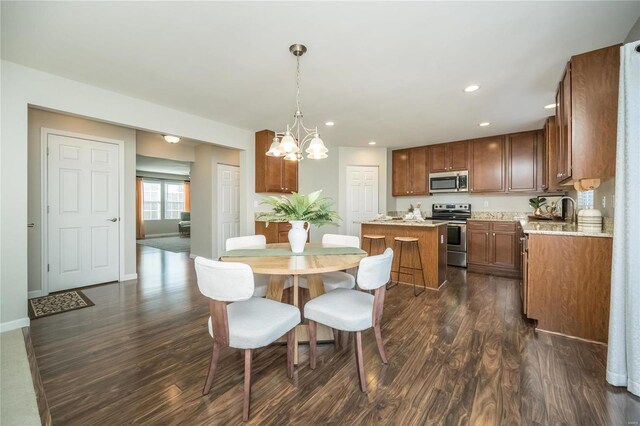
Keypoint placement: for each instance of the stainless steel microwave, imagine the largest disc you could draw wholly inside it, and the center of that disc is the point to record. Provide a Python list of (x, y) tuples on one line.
[(449, 182)]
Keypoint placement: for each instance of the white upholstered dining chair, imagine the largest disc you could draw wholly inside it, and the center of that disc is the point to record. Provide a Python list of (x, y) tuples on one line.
[(337, 279), (352, 310), (247, 322), (254, 242)]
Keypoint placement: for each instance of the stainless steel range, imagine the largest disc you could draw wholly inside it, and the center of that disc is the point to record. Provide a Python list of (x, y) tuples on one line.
[(457, 215)]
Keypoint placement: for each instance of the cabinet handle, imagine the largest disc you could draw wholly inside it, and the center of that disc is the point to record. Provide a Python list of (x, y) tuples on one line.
[(509, 188), (494, 234), (486, 233)]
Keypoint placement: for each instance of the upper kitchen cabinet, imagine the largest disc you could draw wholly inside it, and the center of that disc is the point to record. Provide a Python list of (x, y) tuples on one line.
[(273, 174), (449, 157), (586, 124), (522, 153), (409, 172), (487, 171), (549, 166)]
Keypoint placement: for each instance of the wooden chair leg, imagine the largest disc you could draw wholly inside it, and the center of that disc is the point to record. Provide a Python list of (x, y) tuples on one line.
[(360, 362), (215, 355), (337, 336), (312, 344), (247, 384), (344, 339), (378, 334), (291, 336)]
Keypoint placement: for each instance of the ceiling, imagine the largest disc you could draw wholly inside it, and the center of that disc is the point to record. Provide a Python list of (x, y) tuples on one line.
[(390, 72), (162, 165)]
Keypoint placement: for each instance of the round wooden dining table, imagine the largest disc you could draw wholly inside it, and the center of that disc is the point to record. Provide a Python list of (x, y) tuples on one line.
[(312, 266)]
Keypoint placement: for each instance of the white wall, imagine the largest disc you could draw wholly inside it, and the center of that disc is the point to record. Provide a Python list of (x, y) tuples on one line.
[(330, 176), (38, 119), (23, 86), (634, 34), (204, 198)]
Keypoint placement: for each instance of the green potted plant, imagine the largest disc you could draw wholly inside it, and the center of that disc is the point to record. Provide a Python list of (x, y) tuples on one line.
[(536, 203), (297, 210)]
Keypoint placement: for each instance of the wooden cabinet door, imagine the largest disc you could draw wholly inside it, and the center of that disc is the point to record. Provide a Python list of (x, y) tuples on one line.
[(418, 171), (521, 162), (458, 155), (565, 150), (525, 279), (504, 249), (269, 170), (488, 165), (478, 242), (290, 176), (438, 158), (400, 173), (550, 134)]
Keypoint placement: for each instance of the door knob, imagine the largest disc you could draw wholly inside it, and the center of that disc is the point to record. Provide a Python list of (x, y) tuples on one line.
[(113, 219)]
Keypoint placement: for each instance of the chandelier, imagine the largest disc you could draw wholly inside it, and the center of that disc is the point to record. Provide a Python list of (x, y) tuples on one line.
[(290, 143)]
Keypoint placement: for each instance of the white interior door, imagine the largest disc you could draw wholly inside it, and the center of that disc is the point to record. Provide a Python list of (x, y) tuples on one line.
[(228, 204), (83, 212), (362, 196)]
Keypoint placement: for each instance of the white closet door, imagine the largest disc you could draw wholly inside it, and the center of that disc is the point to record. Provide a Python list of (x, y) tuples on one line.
[(362, 196), (83, 205), (228, 204)]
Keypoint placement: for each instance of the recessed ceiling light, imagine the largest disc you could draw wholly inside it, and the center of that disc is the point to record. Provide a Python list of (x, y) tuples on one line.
[(484, 124), (471, 88), (550, 106), (372, 143), (171, 139), (329, 123)]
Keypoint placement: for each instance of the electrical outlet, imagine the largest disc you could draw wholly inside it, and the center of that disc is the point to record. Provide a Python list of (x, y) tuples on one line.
[(486, 204), (604, 201)]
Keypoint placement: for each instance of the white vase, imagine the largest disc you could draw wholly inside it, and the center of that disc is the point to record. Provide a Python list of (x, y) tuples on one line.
[(298, 235)]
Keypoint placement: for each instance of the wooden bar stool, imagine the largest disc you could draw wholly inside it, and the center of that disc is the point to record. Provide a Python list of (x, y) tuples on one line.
[(378, 239), (413, 245)]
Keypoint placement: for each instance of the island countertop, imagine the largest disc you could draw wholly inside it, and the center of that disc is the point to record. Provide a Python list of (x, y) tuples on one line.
[(427, 223)]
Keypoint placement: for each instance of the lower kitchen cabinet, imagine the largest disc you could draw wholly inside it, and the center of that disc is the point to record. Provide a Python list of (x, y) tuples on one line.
[(276, 232), (566, 282), (493, 247)]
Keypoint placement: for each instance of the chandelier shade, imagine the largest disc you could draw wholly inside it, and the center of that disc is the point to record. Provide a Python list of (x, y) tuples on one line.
[(290, 144)]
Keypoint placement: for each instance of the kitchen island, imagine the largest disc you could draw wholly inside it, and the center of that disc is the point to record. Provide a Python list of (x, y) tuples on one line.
[(432, 239)]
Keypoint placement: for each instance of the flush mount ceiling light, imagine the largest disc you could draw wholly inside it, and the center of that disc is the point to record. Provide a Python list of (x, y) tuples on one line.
[(329, 123), (484, 124), (550, 106), (289, 143), (471, 88), (171, 139), (372, 143)]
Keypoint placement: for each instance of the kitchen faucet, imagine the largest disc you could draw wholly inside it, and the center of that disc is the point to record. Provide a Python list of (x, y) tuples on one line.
[(574, 216)]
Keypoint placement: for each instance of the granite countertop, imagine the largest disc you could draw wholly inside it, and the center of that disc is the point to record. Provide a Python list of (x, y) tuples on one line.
[(499, 216), (563, 228), (426, 223)]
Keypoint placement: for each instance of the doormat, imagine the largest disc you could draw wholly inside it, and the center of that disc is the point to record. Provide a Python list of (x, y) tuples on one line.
[(58, 303)]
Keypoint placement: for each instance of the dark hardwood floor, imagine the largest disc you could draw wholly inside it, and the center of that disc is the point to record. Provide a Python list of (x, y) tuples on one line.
[(463, 355)]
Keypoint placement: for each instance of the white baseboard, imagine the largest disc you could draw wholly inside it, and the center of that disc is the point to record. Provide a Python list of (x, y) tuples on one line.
[(170, 234), (12, 325), (128, 277), (36, 293)]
